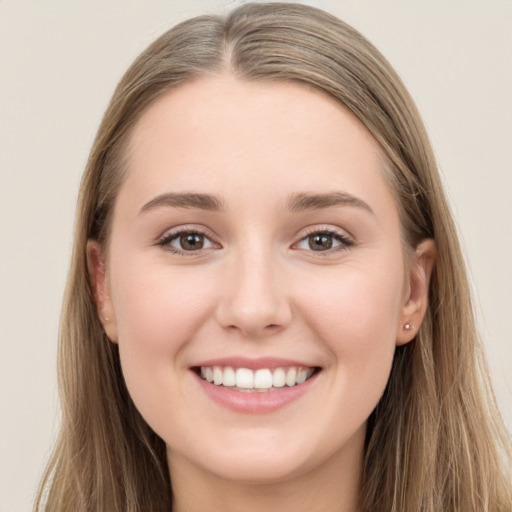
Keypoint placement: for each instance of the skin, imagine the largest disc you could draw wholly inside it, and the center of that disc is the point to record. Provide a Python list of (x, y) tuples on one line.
[(258, 289)]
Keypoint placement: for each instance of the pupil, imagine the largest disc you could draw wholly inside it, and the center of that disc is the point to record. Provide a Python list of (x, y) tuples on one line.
[(191, 241), (320, 242)]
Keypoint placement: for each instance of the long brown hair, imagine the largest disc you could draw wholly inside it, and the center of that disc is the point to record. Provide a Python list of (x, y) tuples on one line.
[(435, 442)]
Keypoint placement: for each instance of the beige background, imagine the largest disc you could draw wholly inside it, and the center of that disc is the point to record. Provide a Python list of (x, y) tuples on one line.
[(59, 62)]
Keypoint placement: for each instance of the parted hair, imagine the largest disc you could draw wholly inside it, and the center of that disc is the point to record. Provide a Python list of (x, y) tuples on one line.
[(435, 441)]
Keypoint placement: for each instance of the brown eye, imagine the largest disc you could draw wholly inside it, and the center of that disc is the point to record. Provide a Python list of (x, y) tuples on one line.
[(324, 241), (187, 242), (191, 241), (320, 242)]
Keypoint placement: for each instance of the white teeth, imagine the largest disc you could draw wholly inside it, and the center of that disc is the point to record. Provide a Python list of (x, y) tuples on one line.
[(217, 375), (244, 378), (278, 378), (304, 374), (229, 378), (262, 379), (291, 377)]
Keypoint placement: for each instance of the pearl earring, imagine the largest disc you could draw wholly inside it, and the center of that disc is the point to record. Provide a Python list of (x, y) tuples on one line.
[(408, 327)]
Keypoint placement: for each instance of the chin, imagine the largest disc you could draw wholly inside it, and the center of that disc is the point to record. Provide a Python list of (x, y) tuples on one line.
[(269, 457), (271, 469)]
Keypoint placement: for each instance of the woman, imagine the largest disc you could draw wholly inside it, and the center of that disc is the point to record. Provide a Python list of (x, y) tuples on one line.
[(267, 306)]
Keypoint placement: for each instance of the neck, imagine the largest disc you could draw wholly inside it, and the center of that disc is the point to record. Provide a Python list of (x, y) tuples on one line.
[(332, 486)]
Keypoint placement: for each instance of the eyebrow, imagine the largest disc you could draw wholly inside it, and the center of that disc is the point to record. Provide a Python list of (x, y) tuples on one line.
[(299, 202), (306, 201), (184, 200)]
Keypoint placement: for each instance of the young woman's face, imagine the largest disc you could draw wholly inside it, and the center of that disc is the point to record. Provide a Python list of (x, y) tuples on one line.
[(255, 242)]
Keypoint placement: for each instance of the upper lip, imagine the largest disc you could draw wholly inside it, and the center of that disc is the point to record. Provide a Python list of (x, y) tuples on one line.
[(253, 364)]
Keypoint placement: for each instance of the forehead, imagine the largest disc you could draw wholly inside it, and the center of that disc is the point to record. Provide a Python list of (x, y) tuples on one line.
[(221, 135)]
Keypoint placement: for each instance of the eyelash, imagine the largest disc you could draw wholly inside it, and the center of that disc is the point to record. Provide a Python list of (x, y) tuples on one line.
[(345, 242), (165, 242)]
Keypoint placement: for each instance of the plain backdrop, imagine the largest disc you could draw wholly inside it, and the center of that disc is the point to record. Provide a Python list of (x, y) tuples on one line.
[(59, 63)]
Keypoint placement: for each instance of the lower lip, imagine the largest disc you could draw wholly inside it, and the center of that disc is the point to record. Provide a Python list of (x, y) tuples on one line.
[(255, 402)]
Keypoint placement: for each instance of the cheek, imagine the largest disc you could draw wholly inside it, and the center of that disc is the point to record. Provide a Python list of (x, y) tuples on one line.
[(157, 313), (356, 319), (358, 309), (157, 309)]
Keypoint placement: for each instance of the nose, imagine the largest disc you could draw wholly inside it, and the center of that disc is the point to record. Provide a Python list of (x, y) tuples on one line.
[(255, 299)]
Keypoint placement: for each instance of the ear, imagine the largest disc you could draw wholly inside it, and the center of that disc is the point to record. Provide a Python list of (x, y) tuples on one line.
[(416, 297), (101, 287)]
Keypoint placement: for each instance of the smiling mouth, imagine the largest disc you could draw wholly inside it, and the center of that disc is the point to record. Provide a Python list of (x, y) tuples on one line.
[(259, 380)]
